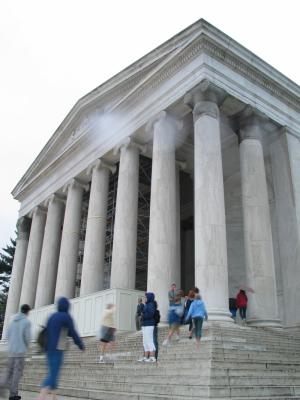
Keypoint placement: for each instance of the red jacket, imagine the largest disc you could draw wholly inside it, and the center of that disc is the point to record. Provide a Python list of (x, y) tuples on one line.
[(241, 300)]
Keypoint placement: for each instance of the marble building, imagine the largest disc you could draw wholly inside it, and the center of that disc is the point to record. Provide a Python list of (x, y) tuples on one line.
[(183, 167)]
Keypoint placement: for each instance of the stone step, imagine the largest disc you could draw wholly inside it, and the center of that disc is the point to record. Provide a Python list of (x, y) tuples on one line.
[(32, 395), (196, 391), (87, 380)]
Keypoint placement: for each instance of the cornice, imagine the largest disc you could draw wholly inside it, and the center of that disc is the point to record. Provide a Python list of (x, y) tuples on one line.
[(139, 81)]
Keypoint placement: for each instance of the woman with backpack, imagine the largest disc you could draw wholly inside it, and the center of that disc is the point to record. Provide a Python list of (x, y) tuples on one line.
[(59, 326)]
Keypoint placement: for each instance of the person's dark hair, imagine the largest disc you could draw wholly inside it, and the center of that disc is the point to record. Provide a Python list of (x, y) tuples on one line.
[(195, 290), (25, 308)]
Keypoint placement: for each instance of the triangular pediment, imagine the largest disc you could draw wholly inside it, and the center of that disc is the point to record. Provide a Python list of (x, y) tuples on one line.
[(140, 80)]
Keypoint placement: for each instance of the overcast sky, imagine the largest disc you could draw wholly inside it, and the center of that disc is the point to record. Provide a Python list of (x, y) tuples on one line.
[(52, 52)]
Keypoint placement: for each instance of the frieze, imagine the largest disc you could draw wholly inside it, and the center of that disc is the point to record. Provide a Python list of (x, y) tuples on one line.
[(204, 45)]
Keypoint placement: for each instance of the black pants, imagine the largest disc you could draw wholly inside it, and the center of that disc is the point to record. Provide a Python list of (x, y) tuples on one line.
[(243, 312), (155, 340)]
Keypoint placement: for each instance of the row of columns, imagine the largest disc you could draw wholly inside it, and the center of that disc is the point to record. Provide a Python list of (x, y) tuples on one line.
[(56, 271)]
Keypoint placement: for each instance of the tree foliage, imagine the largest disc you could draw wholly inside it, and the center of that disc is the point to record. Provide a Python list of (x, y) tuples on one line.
[(6, 263)]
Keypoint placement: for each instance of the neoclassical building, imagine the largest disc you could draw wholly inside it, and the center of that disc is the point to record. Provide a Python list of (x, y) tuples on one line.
[(184, 167)]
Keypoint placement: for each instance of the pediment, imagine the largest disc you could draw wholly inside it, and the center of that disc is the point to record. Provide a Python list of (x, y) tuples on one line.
[(139, 81)]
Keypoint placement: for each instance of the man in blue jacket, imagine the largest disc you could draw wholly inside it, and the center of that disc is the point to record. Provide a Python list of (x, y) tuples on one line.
[(59, 326), (197, 312)]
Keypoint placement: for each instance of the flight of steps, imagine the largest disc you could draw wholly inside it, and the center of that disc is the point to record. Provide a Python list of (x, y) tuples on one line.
[(233, 362)]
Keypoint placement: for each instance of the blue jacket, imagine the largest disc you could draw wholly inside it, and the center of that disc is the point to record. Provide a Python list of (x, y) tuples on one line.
[(59, 326), (148, 311), (175, 314), (197, 309)]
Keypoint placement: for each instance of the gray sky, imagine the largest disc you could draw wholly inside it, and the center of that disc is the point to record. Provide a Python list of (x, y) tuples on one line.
[(55, 51)]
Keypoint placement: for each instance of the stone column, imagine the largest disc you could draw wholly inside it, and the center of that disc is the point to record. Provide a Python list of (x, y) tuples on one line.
[(123, 268), (260, 271), (67, 265), (50, 252), (94, 248), (178, 225), (211, 272), (14, 293), (33, 258), (189, 245), (162, 253)]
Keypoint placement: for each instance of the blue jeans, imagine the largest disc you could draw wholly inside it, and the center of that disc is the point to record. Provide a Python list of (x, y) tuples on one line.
[(198, 321), (54, 362), (243, 312), (155, 340)]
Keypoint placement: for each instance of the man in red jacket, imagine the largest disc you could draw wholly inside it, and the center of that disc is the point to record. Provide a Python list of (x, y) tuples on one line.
[(241, 303)]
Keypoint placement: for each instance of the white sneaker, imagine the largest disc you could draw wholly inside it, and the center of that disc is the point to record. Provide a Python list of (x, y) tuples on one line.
[(177, 338), (150, 360), (143, 359), (101, 360), (166, 342)]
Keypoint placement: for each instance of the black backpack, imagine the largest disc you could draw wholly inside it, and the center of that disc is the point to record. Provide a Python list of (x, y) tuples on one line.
[(156, 317), (42, 338)]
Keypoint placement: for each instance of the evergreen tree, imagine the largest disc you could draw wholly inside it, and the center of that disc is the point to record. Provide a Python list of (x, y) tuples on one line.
[(6, 263)]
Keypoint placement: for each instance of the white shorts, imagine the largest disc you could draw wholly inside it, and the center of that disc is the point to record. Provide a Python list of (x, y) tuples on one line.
[(148, 338)]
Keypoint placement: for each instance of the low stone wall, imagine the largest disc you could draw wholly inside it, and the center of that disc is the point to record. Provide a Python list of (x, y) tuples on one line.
[(87, 311)]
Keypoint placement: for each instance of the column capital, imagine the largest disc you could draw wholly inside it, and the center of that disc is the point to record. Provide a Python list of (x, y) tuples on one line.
[(37, 210), (163, 117), (129, 142), (54, 197), (98, 164), (75, 183), (250, 123), (23, 228), (204, 99)]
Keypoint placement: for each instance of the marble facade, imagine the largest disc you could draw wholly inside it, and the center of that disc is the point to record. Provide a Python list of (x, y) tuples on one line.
[(222, 129)]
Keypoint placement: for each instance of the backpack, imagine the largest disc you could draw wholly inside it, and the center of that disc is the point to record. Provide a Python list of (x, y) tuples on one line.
[(156, 317), (42, 338)]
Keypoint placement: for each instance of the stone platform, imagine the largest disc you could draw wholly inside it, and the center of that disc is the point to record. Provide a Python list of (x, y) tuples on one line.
[(233, 362)]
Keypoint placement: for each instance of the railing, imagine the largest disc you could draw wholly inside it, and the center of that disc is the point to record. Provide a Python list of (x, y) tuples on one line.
[(87, 311)]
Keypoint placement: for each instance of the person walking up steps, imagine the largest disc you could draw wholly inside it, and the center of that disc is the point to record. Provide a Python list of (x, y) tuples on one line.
[(108, 332), (174, 319), (187, 305), (18, 336), (241, 303), (59, 326), (197, 312)]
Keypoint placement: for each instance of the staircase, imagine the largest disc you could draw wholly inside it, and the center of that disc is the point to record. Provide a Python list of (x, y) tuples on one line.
[(233, 362)]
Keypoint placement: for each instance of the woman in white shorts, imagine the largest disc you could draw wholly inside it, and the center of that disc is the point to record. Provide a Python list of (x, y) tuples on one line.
[(148, 323)]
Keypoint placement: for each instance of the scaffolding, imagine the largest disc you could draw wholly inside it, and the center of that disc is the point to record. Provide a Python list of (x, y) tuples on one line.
[(142, 227)]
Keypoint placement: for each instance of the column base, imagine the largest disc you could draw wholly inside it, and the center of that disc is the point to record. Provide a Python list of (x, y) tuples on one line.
[(219, 315), (260, 322)]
